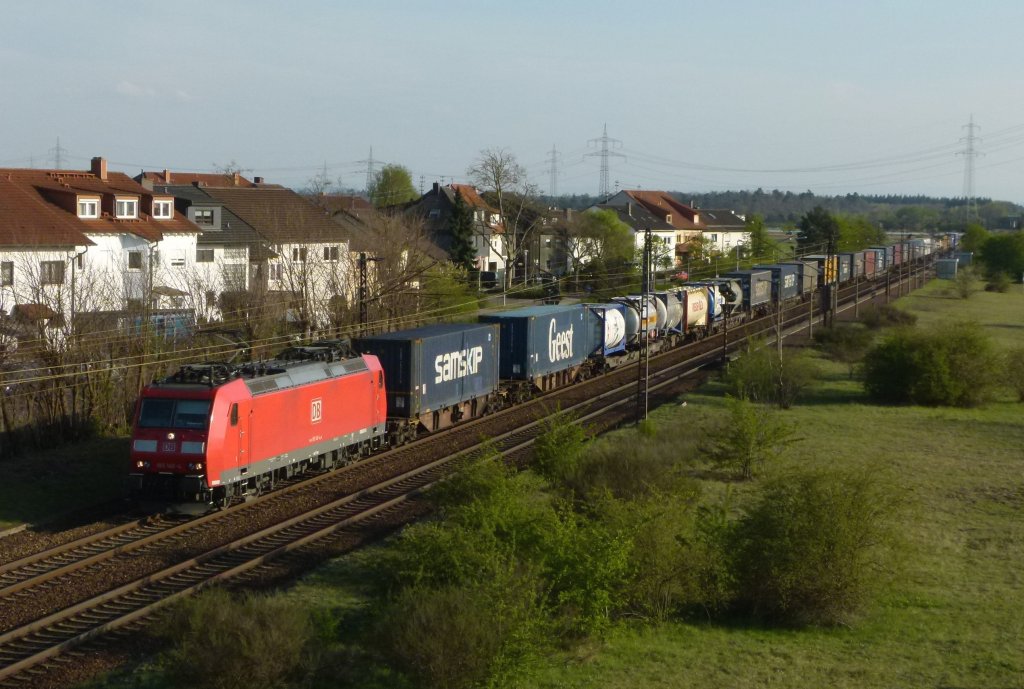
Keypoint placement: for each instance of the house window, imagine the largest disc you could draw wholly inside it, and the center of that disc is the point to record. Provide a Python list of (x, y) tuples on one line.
[(204, 217), (126, 208), (276, 271), (7, 273), (331, 253), (162, 209), (714, 237), (177, 259), (204, 255), (434, 213), (88, 208), (234, 277), (134, 260), (236, 253), (299, 254), (51, 272)]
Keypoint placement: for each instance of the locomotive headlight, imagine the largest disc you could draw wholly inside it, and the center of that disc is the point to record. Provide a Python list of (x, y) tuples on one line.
[(195, 466), (139, 464), (170, 436)]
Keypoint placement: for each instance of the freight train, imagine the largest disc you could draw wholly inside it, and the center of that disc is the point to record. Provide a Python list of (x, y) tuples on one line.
[(214, 432)]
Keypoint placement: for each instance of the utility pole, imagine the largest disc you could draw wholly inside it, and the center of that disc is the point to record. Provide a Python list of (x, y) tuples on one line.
[(969, 153), (58, 152), (604, 153), (643, 365), (552, 160), (369, 170), (364, 289)]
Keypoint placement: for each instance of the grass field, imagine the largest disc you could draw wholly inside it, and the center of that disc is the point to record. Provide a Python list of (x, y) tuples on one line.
[(952, 614)]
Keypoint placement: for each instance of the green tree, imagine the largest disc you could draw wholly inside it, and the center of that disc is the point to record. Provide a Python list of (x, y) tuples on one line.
[(601, 245), (856, 232), (392, 185), (460, 225), (974, 238), (752, 437), (1004, 253), (819, 231), (760, 245)]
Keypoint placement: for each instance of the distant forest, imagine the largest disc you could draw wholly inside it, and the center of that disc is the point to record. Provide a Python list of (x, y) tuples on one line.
[(784, 208)]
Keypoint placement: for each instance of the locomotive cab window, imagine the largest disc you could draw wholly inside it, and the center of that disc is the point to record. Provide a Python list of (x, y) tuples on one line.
[(167, 413), (234, 414)]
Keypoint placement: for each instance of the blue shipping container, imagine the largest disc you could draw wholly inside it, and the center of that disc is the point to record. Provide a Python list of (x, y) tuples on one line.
[(435, 366), (539, 340), (785, 280)]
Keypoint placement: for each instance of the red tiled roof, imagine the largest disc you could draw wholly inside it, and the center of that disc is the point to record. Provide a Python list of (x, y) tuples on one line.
[(661, 204), (205, 179), (472, 197), (37, 209)]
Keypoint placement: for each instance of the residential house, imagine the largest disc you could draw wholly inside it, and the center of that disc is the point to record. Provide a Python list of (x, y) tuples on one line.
[(77, 241), (436, 207), (724, 230), (265, 245), (678, 224)]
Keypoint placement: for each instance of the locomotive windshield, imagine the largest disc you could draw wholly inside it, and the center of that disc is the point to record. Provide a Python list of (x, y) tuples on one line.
[(168, 413)]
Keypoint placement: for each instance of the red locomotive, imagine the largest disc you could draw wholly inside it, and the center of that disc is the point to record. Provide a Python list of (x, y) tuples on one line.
[(213, 432)]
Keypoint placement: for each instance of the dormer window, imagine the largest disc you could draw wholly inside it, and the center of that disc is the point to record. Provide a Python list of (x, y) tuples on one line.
[(126, 208), (668, 218), (88, 208), (204, 217), (163, 209)]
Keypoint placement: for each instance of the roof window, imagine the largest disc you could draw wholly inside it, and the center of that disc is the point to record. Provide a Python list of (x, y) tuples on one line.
[(126, 208), (88, 208), (163, 209)]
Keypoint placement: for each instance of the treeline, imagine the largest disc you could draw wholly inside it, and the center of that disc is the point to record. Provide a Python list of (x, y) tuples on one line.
[(911, 212)]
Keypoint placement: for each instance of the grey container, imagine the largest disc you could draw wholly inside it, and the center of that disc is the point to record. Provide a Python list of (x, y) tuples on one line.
[(884, 257), (435, 366), (785, 280), (756, 284), (856, 264), (539, 340), (807, 274)]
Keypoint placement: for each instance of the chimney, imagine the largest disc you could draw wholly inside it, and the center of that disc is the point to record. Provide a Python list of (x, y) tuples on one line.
[(237, 179), (436, 187), (167, 176), (99, 168)]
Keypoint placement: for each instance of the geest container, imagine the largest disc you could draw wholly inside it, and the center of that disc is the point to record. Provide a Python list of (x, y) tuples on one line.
[(539, 340), (785, 283), (756, 286), (435, 366)]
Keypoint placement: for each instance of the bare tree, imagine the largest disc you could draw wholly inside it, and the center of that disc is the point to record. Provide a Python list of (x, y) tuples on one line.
[(498, 172)]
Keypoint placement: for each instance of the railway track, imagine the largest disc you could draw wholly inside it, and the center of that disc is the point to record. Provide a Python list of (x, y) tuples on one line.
[(30, 648)]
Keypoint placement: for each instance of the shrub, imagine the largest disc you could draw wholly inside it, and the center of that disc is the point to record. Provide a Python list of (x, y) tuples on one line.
[(954, 366), (965, 283), (998, 282), (462, 636), (846, 343), (558, 450), (1014, 371), (752, 436), (223, 642), (762, 375), (886, 315), (807, 551)]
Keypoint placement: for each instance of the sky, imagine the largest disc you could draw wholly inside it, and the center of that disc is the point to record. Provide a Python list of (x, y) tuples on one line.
[(830, 96)]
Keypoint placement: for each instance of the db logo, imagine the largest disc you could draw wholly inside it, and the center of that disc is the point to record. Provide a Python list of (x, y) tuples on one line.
[(316, 411)]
